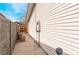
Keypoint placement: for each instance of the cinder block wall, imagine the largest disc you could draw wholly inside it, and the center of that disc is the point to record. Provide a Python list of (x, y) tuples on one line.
[(7, 36)]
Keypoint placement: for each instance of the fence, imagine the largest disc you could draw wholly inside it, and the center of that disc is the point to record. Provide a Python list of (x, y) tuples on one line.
[(8, 36)]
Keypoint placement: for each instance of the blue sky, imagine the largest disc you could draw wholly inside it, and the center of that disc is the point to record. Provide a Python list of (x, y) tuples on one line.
[(14, 11)]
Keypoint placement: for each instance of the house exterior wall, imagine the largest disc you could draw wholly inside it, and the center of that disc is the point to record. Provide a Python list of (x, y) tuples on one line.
[(59, 27), (32, 25)]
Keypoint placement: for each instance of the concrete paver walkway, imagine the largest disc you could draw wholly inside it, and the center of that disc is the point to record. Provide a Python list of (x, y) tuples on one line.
[(28, 47)]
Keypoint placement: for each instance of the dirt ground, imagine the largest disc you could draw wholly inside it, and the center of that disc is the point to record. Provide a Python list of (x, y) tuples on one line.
[(29, 47)]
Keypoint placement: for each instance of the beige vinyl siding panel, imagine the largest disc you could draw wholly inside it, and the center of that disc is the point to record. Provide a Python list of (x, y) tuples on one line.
[(59, 27), (32, 25)]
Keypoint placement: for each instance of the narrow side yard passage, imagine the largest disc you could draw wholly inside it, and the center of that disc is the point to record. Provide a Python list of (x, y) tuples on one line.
[(28, 47)]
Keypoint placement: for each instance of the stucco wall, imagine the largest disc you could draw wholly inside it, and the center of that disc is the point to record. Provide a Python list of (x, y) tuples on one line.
[(13, 35), (7, 35)]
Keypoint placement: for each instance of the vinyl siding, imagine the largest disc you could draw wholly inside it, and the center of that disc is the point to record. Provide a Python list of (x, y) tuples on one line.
[(59, 27), (32, 25)]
